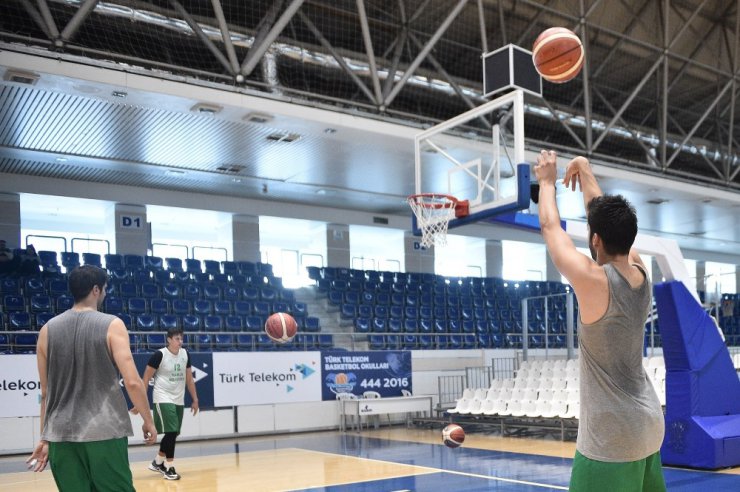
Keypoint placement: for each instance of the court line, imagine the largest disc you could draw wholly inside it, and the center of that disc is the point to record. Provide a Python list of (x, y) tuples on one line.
[(439, 470)]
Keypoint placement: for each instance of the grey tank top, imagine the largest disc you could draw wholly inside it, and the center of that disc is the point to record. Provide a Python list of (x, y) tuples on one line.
[(84, 400), (621, 417)]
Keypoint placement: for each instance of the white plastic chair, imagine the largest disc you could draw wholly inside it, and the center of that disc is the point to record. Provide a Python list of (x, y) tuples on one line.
[(496, 384), (508, 384), (487, 407), (372, 395), (539, 408), (347, 396), (475, 407), (558, 384), (461, 407), (499, 408), (515, 408)]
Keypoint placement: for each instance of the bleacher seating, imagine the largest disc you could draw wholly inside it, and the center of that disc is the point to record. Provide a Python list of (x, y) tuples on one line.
[(221, 308)]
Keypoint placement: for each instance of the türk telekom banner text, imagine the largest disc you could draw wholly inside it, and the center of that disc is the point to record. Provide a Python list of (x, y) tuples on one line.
[(20, 389), (270, 377)]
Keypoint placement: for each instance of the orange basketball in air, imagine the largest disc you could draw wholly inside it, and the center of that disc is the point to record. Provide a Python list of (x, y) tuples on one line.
[(558, 54)]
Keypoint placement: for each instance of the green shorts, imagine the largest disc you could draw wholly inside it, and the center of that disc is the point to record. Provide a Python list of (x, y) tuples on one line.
[(632, 476), (168, 417), (95, 465)]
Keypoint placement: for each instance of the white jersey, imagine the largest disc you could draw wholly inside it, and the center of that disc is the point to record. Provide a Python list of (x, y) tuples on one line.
[(169, 380)]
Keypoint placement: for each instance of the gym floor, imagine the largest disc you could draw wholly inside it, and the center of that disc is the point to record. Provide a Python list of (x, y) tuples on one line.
[(386, 459)]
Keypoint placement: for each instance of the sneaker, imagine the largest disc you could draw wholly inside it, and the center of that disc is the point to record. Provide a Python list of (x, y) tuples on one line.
[(171, 474), (153, 466)]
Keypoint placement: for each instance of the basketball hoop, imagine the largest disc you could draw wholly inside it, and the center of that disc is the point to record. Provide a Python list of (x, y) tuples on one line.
[(433, 213)]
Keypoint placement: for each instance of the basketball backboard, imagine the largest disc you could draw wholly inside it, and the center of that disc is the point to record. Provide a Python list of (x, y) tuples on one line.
[(477, 156)]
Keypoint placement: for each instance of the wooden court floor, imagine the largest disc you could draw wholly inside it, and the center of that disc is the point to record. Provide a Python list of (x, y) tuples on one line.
[(387, 459)]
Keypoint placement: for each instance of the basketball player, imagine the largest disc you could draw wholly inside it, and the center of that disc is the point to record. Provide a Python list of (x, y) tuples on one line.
[(170, 367), (84, 420), (621, 425)]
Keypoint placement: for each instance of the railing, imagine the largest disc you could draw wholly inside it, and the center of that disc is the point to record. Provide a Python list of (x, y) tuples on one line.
[(107, 243)]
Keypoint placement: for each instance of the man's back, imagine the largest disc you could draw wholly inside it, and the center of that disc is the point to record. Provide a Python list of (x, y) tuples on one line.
[(621, 419), (84, 400)]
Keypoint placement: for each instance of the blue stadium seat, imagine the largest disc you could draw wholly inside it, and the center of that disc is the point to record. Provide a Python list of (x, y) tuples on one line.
[(250, 293), (111, 305), (382, 311), (222, 307), (409, 342), (168, 321), (242, 308), (394, 325), (411, 325), (467, 326), (159, 306), (247, 268), (34, 285), (395, 312), (326, 341), (9, 286), (133, 262), (192, 322), (426, 325), (234, 323), (181, 306), (470, 341), (380, 325), (220, 279), (191, 291), (114, 261), (484, 340), (145, 322), (365, 311), (93, 259), (362, 325), (441, 341), (25, 343), (70, 260), (245, 342), (57, 287), (13, 302), (454, 326), (254, 324), (42, 319), (392, 342), (348, 311), (211, 267), (455, 342), (300, 309), (40, 303), (128, 289), (211, 292), (180, 277), (231, 293), (223, 341), (262, 308), (155, 341), (48, 260), (426, 342), (230, 268), (376, 342), (213, 322), (281, 307), (137, 305), (202, 307), (170, 290), (19, 320), (173, 264), (382, 299), (268, 294), (153, 263), (440, 326), (150, 290), (312, 324)]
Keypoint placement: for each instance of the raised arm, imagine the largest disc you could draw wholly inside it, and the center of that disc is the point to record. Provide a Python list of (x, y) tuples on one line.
[(576, 267)]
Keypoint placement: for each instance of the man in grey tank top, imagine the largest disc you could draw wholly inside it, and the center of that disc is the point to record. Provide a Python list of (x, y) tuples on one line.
[(621, 424), (84, 419)]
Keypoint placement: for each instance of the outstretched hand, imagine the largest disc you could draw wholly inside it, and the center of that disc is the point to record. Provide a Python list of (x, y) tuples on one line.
[(546, 169), (573, 173)]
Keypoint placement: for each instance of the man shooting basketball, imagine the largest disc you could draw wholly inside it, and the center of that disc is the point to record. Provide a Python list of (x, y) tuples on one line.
[(170, 368), (621, 425)]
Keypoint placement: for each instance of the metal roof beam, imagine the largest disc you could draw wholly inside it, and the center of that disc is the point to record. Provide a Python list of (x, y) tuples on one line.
[(31, 10), (425, 51), (369, 50), (257, 50), (225, 35), (201, 35), (74, 23)]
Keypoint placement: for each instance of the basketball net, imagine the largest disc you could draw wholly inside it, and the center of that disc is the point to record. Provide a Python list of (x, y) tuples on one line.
[(433, 213)]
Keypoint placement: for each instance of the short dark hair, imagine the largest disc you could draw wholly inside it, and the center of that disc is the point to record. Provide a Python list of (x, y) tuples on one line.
[(172, 332), (614, 219), (84, 278)]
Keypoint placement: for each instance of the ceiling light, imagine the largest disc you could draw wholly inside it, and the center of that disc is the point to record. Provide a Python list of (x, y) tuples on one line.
[(204, 108), (258, 118), (707, 200), (284, 137), (177, 172), (20, 76), (61, 159), (321, 192), (236, 180), (657, 201), (330, 130), (120, 94)]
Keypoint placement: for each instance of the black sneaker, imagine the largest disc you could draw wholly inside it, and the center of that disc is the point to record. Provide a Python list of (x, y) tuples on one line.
[(171, 474), (153, 466)]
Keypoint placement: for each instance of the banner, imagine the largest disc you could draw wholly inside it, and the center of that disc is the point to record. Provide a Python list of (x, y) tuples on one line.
[(386, 372), (200, 364), (262, 378), (20, 389)]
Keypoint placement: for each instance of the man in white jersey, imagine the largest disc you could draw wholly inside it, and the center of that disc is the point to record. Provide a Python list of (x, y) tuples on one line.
[(621, 424), (170, 367)]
